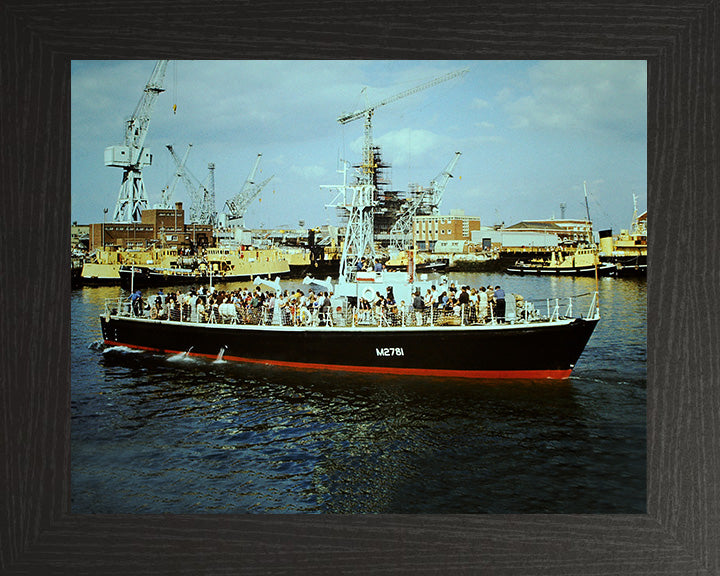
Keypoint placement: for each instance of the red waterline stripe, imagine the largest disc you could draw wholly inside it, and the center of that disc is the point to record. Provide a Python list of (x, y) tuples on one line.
[(481, 374)]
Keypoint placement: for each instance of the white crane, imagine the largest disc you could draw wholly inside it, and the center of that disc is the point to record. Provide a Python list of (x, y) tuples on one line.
[(208, 214), (132, 156), (438, 184), (167, 193), (238, 204), (202, 196), (428, 199)]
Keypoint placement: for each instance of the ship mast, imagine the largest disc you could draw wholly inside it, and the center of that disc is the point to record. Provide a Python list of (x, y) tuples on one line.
[(596, 255), (587, 211), (360, 199), (633, 226)]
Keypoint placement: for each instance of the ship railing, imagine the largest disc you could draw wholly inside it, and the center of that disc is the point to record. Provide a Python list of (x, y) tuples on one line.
[(118, 307), (594, 310), (518, 311)]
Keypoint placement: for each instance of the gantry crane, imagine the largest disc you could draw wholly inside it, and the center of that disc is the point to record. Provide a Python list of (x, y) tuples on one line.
[(428, 199), (238, 204), (132, 156)]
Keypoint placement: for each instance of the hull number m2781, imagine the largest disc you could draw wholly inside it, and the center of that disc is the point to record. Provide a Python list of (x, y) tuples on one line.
[(389, 351)]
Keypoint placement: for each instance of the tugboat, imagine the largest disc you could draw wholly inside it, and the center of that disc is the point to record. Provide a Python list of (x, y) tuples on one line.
[(580, 262), (103, 266), (424, 262)]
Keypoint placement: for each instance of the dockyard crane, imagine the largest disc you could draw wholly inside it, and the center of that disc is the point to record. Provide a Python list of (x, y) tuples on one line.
[(360, 200), (132, 156), (438, 184), (238, 204), (368, 111), (167, 193), (202, 196), (427, 198), (208, 213)]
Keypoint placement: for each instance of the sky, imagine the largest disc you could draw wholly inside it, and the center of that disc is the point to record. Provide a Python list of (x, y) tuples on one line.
[(530, 133)]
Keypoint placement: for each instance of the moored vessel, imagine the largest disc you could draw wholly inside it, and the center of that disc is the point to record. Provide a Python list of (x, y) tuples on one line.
[(103, 266), (628, 250), (423, 261), (223, 263), (580, 262)]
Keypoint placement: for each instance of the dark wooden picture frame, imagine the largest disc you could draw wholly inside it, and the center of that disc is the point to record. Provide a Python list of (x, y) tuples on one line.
[(680, 534)]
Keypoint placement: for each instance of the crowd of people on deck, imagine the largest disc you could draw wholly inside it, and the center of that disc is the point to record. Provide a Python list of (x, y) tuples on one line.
[(241, 306), (470, 305), (450, 305)]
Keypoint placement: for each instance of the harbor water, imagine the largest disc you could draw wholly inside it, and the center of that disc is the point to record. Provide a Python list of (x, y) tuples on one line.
[(175, 434)]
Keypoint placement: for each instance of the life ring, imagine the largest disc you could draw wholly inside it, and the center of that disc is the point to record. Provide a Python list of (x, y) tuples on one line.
[(368, 295)]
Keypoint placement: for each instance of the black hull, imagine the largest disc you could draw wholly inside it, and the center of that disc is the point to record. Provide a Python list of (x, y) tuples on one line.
[(317, 269), (532, 351), (439, 266), (435, 266), (147, 277), (494, 265), (76, 277), (95, 281), (604, 270), (628, 265)]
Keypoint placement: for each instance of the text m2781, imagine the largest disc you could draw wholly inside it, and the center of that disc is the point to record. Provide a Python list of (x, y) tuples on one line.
[(389, 352)]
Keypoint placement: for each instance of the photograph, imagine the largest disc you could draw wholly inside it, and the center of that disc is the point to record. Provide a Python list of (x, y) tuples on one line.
[(358, 286)]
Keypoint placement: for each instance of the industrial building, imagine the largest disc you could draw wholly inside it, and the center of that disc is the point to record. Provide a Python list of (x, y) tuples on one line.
[(162, 226), (567, 232), (428, 230)]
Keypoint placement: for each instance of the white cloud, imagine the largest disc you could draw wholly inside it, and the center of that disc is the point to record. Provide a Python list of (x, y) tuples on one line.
[(406, 146), (287, 110), (317, 173), (598, 96)]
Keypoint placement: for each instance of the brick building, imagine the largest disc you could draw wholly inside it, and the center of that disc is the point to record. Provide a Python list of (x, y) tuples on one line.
[(427, 230), (163, 226)]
